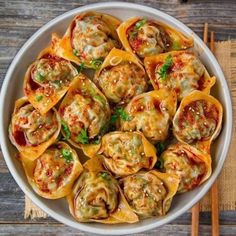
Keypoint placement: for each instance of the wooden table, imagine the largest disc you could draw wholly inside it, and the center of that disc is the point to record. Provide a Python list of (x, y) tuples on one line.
[(18, 21)]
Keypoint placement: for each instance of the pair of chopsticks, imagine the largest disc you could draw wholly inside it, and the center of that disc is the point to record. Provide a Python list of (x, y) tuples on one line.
[(214, 188)]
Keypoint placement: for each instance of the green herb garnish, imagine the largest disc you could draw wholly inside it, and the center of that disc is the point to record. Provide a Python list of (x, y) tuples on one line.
[(164, 69), (119, 112), (67, 155), (80, 67), (104, 175), (160, 164), (160, 147), (39, 77), (38, 98), (82, 137), (96, 63), (66, 130), (140, 23), (75, 52)]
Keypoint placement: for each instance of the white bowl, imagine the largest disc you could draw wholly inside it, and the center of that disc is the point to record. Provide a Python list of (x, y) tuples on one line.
[(12, 89)]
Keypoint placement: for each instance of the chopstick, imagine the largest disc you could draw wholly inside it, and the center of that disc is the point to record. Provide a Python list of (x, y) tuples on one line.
[(196, 207), (214, 188)]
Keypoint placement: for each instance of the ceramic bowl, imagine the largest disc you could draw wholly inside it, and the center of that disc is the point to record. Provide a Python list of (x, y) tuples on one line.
[(12, 89)]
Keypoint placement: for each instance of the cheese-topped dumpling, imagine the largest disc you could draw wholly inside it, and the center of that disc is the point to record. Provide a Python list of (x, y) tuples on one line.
[(198, 118), (150, 113), (47, 80), (96, 197), (89, 39), (191, 165), (125, 153), (121, 77), (54, 172), (180, 71), (147, 37), (84, 112), (150, 193), (30, 132)]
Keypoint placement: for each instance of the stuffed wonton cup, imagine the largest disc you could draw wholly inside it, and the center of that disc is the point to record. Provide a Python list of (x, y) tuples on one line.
[(52, 174), (180, 71), (84, 112), (198, 120), (30, 132), (150, 193), (151, 113), (147, 37), (121, 77), (47, 80), (125, 153), (191, 165), (88, 39), (96, 197)]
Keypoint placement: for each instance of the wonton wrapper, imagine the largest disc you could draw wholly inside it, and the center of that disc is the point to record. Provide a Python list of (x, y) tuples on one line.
[(186, 73), (52, 169), (121, 77), (32, 139), (198, 120), (104, 28), (150, 193), (151, 113), (99, 191), (168, 39), (125, 153), (84, 108), (47, 80), (191, 165)]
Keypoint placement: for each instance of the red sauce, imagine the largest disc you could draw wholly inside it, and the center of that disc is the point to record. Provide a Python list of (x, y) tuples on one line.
[(19, 137), (156, 104), (201, 83)]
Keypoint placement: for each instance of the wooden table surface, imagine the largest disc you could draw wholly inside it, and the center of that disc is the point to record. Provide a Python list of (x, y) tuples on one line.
[(18, 21)]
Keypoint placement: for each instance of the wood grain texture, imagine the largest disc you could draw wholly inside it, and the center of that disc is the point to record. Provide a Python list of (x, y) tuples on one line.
[(19, 19)]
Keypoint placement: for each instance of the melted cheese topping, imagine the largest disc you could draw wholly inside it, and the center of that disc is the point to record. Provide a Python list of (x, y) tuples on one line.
[(122, 82), (183, 76), (96, 196), (32, 127), (92, 38), (146, 115), (197, 121), (150, 39), (52, 171), (124, 153), (184, 164), (145, 193)]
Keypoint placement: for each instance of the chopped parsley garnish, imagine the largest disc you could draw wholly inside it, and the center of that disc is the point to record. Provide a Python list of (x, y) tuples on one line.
[(39, 77), (80, 67), (140, 23), (66, 154), (160, 164), (119, 112), (96, 63), (75, 52), (82, 137), (38, 98), (104, 175), (176, 45), (66, 130), (164, 69), (160, 147)]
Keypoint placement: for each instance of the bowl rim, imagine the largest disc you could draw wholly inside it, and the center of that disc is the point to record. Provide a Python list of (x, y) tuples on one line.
[(87, 227)]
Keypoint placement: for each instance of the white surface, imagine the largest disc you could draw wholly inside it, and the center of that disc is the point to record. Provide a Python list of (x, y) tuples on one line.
[(12, 89)]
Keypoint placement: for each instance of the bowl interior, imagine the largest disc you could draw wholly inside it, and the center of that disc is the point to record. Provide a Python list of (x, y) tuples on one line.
[(12, 89)]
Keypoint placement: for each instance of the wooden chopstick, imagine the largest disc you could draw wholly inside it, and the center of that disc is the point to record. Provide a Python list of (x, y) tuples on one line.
[(214, 188), (196, 207)]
